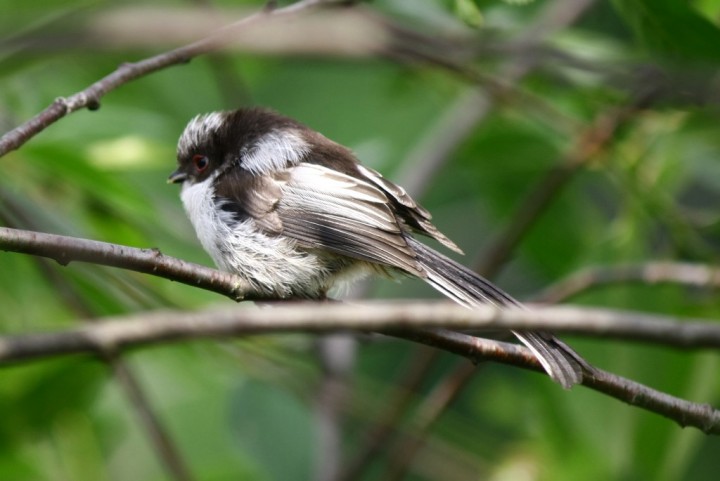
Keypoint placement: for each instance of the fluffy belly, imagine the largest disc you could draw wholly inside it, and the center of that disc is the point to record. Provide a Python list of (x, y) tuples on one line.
[(273, 265)]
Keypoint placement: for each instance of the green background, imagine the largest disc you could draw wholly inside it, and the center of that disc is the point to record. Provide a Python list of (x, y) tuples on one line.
[(245, 409)]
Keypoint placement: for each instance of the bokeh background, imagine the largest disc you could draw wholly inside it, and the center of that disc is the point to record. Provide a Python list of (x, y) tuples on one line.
[(590, 128)]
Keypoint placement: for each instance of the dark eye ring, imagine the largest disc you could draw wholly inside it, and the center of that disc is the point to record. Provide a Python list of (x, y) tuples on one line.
[(201, 162)]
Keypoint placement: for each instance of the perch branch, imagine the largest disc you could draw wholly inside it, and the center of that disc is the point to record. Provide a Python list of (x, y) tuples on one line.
[(64, 250)]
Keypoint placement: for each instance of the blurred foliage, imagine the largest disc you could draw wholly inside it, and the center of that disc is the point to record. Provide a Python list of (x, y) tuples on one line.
[(245, 409)]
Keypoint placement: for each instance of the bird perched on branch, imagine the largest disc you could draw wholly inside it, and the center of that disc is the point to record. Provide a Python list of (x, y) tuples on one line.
[(294, 213)]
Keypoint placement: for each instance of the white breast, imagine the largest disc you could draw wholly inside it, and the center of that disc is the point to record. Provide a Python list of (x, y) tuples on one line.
[(272, 264), (200, 207)]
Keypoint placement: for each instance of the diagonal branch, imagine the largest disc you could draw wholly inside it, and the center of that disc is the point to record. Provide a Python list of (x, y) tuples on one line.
[(127, 72)]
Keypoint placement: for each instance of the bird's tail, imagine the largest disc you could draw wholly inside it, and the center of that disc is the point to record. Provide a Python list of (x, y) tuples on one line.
[(469, 289)]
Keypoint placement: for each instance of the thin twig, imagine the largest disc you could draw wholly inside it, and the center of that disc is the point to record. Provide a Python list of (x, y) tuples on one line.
[(685, 413), (683, 273), (90, 97), (65, 249)]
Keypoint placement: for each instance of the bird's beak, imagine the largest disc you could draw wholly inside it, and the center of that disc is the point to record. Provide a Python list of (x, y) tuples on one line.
[(177, 177)]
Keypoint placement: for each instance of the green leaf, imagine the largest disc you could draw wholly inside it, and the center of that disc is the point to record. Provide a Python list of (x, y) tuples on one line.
[(469, 12)]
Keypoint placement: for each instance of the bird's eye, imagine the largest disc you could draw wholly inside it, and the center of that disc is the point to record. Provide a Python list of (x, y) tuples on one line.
[(201, 162)]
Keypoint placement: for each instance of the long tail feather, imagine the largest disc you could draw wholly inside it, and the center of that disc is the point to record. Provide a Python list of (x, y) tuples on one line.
[(469, 289)]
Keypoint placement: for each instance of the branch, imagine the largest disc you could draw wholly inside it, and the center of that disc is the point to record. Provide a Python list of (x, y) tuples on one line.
[(399, 320), (64, 250), (106, 337), (596, 322), (90, 97), (693, 275)]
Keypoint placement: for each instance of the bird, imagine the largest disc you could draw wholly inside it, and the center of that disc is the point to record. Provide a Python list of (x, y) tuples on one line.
[(295, 214)]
